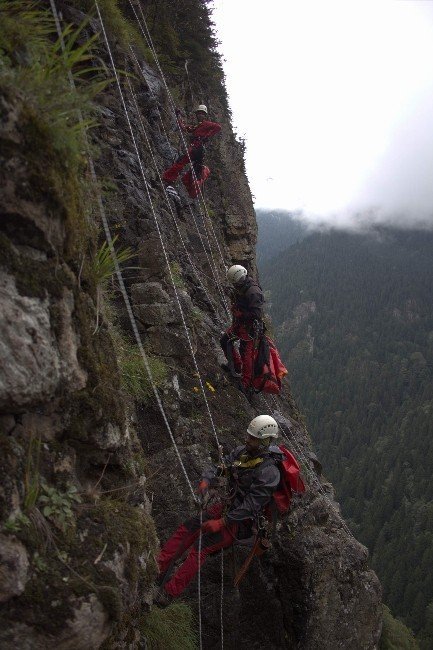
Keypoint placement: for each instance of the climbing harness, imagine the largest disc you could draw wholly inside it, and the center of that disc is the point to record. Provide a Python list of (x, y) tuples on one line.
[(158, 227), (261, 545), (172, 280), (118, 271)]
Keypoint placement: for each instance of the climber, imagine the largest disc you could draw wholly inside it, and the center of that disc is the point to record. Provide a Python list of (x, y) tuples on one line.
[(253, 476), (247, 324), (200, 134)]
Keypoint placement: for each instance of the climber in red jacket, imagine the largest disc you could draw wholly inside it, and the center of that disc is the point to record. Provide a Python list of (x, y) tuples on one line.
[(200, 134), (253, 474)]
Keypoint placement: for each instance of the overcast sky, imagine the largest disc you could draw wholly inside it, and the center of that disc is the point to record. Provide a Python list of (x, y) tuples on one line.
[(335, 100)]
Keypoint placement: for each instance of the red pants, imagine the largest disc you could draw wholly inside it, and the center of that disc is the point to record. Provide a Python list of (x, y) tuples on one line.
[(192, 185), (170, 175), (244, 361), (192, 182), (187, 537)]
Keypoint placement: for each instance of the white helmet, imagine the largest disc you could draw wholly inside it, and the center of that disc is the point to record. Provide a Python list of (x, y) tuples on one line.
[(236, 274), (202, 108), (262, 427)]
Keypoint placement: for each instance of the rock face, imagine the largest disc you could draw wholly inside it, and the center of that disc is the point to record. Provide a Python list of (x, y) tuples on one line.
[(14, 566), (68, 422)]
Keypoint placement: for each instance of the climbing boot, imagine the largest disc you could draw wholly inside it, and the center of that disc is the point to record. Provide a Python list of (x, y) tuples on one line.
[(226, 367), (172, 192)]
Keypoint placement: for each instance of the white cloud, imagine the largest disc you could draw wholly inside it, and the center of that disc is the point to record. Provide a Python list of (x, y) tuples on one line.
[(335, 100)]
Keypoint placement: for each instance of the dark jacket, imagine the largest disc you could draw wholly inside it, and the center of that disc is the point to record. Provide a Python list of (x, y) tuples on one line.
[(251, 487), (248, 302)]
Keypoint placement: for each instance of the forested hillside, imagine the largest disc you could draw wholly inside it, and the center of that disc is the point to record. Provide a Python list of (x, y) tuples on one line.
[(354, 316), (278, 229)]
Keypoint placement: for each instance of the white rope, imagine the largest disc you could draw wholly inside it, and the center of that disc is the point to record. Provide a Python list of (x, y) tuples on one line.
[(149, 40), (192, 213), (119, 273), (218, 287), (222, 599), (210, 300), (125, 108), (211, 261)]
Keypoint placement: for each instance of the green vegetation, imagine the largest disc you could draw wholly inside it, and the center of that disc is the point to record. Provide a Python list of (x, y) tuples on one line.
[(103, 270), (32, 62), (169, 629), (117, 24), (135, 380), (360, 357), (103, 264), (395, 635), (15, 524), (57, 505), (176, 273), (35, 78), (32, 476)]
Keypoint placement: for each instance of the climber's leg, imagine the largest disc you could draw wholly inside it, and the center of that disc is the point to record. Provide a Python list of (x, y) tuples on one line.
[(210, 543), (170, 175)]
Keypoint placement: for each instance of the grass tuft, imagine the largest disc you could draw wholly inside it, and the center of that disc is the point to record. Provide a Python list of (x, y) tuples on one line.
[(169, 629), (117, 24), (134, 377)]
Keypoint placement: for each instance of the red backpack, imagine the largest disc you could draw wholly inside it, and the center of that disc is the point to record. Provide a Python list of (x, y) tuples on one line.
[(269, 370), (290, 481)]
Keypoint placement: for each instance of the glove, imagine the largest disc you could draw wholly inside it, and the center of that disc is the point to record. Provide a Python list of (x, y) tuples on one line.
[(213, 525), (203, 487)]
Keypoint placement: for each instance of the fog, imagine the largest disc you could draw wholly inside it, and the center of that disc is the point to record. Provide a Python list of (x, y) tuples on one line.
[(335, 101)]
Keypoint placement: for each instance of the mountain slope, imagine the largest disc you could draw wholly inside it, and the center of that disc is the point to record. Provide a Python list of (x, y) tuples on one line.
[(278, 229), (354, 315)]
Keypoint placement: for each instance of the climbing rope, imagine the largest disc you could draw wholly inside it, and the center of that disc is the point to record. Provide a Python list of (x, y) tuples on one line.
[(146, 33), (158, 227), (211, 260), (167, 199), (119, 274), (125, 108)]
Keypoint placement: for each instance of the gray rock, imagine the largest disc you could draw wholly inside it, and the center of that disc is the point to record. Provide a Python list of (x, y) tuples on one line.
[(72, 375), (87, 630), (7, 423), (30, 364), (110, 437), (167, 342), (89, 627), (14, 565), (41, 425), (149, 253), (148, 292), (156, 314)]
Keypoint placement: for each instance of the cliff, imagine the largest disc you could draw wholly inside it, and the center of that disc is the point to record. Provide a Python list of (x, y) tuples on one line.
[(90, 479)]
